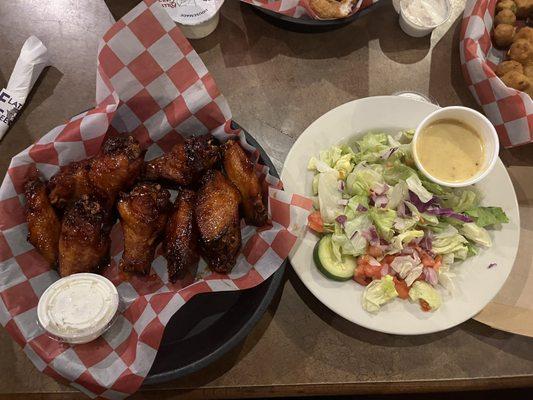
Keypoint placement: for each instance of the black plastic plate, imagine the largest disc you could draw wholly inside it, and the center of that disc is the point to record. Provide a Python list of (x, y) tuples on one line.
[(211, 324)]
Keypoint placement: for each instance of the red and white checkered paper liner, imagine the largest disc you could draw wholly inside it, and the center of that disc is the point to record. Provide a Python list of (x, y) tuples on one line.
[(510, 110), (301, 8), (152, 84)]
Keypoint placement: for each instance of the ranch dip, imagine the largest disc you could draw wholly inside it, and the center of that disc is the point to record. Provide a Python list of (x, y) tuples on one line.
[(425, 13), (78, 308)]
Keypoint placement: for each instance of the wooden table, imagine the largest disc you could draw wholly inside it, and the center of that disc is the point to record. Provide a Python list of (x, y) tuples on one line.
[(277, 82)]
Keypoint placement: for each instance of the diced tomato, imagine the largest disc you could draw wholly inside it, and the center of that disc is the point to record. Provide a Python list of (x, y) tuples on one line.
[(438, 262), (360, 277), (424, 305), (373, 272), (401, 288), (388, 259), (426, 259), (374, 251), (315, 222)]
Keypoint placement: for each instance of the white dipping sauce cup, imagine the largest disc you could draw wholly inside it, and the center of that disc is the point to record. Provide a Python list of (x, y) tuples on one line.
[(202, 29), (78, 308), (479, 123), (415, 30)]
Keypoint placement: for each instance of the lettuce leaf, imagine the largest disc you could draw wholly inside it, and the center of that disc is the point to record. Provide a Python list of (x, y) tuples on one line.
[(433, 187), (361, 180), (315, 184), (342, 246), (397, 194), (351, 208), (476, 234), (423, 219), (424, 291), (404, 238), (383, 220), (329, 196), (404, 224), (450, 241), (379, 292), (486, 216), (415, 185), (359, 223), (397, 172), (461, 200), (373, 142), (344, 165)]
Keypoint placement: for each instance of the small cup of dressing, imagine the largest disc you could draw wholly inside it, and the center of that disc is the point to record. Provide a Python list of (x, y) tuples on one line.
[(196, 18), (419, 18), (78, 308), (455, 146)]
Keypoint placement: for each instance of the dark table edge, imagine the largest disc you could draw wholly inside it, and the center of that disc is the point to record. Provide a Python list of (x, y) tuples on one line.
[(360, 388), (316, 389)]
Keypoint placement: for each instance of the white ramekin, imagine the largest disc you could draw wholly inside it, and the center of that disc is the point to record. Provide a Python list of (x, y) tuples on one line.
[(78, 308), (416, 30), (478, 122)]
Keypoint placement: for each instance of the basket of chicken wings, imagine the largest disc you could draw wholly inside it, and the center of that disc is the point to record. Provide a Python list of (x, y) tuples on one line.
[(184, 223)]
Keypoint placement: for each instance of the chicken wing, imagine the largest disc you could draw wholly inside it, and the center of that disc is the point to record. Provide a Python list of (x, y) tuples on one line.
[(181, 237), (70, 183), (43, 224), (186, 162), (143, 216), (84, 240), (240, 170), (217, 217), (115, 168)]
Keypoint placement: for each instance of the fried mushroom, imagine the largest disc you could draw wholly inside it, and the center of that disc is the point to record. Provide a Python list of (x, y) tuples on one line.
[(506, 5), (503, 35), (524, 33), (521, 51), (505, 17), (516, 80), (508, 66)]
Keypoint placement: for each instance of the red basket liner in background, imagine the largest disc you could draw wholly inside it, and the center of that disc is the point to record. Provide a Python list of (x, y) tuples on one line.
[(510, 110)]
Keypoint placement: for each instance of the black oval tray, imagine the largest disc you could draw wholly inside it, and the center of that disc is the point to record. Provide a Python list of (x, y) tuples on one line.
[(316, 23), (211, 324)]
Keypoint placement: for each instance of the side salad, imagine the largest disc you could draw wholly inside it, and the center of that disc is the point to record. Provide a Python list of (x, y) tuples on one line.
[(385, 225)]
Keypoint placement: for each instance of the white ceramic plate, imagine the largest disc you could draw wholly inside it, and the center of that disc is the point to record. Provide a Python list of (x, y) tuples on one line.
[(476, 285)]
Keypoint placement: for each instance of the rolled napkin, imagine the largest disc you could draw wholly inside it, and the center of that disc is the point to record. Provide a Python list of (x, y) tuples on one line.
[(31, 62)]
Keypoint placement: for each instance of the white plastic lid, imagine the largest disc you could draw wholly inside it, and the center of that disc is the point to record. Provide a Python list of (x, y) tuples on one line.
[(191, 12), (411, 94), (78, 308)]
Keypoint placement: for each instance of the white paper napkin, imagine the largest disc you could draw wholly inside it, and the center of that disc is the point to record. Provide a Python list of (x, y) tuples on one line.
[(31, 62)]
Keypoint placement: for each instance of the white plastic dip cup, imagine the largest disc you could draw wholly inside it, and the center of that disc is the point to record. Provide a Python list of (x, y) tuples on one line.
[(78, 308), (415, 30), (202, 29), (196, 18)]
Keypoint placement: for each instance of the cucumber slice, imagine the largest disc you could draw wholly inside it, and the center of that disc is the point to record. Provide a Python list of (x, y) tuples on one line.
[(327, 263)]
